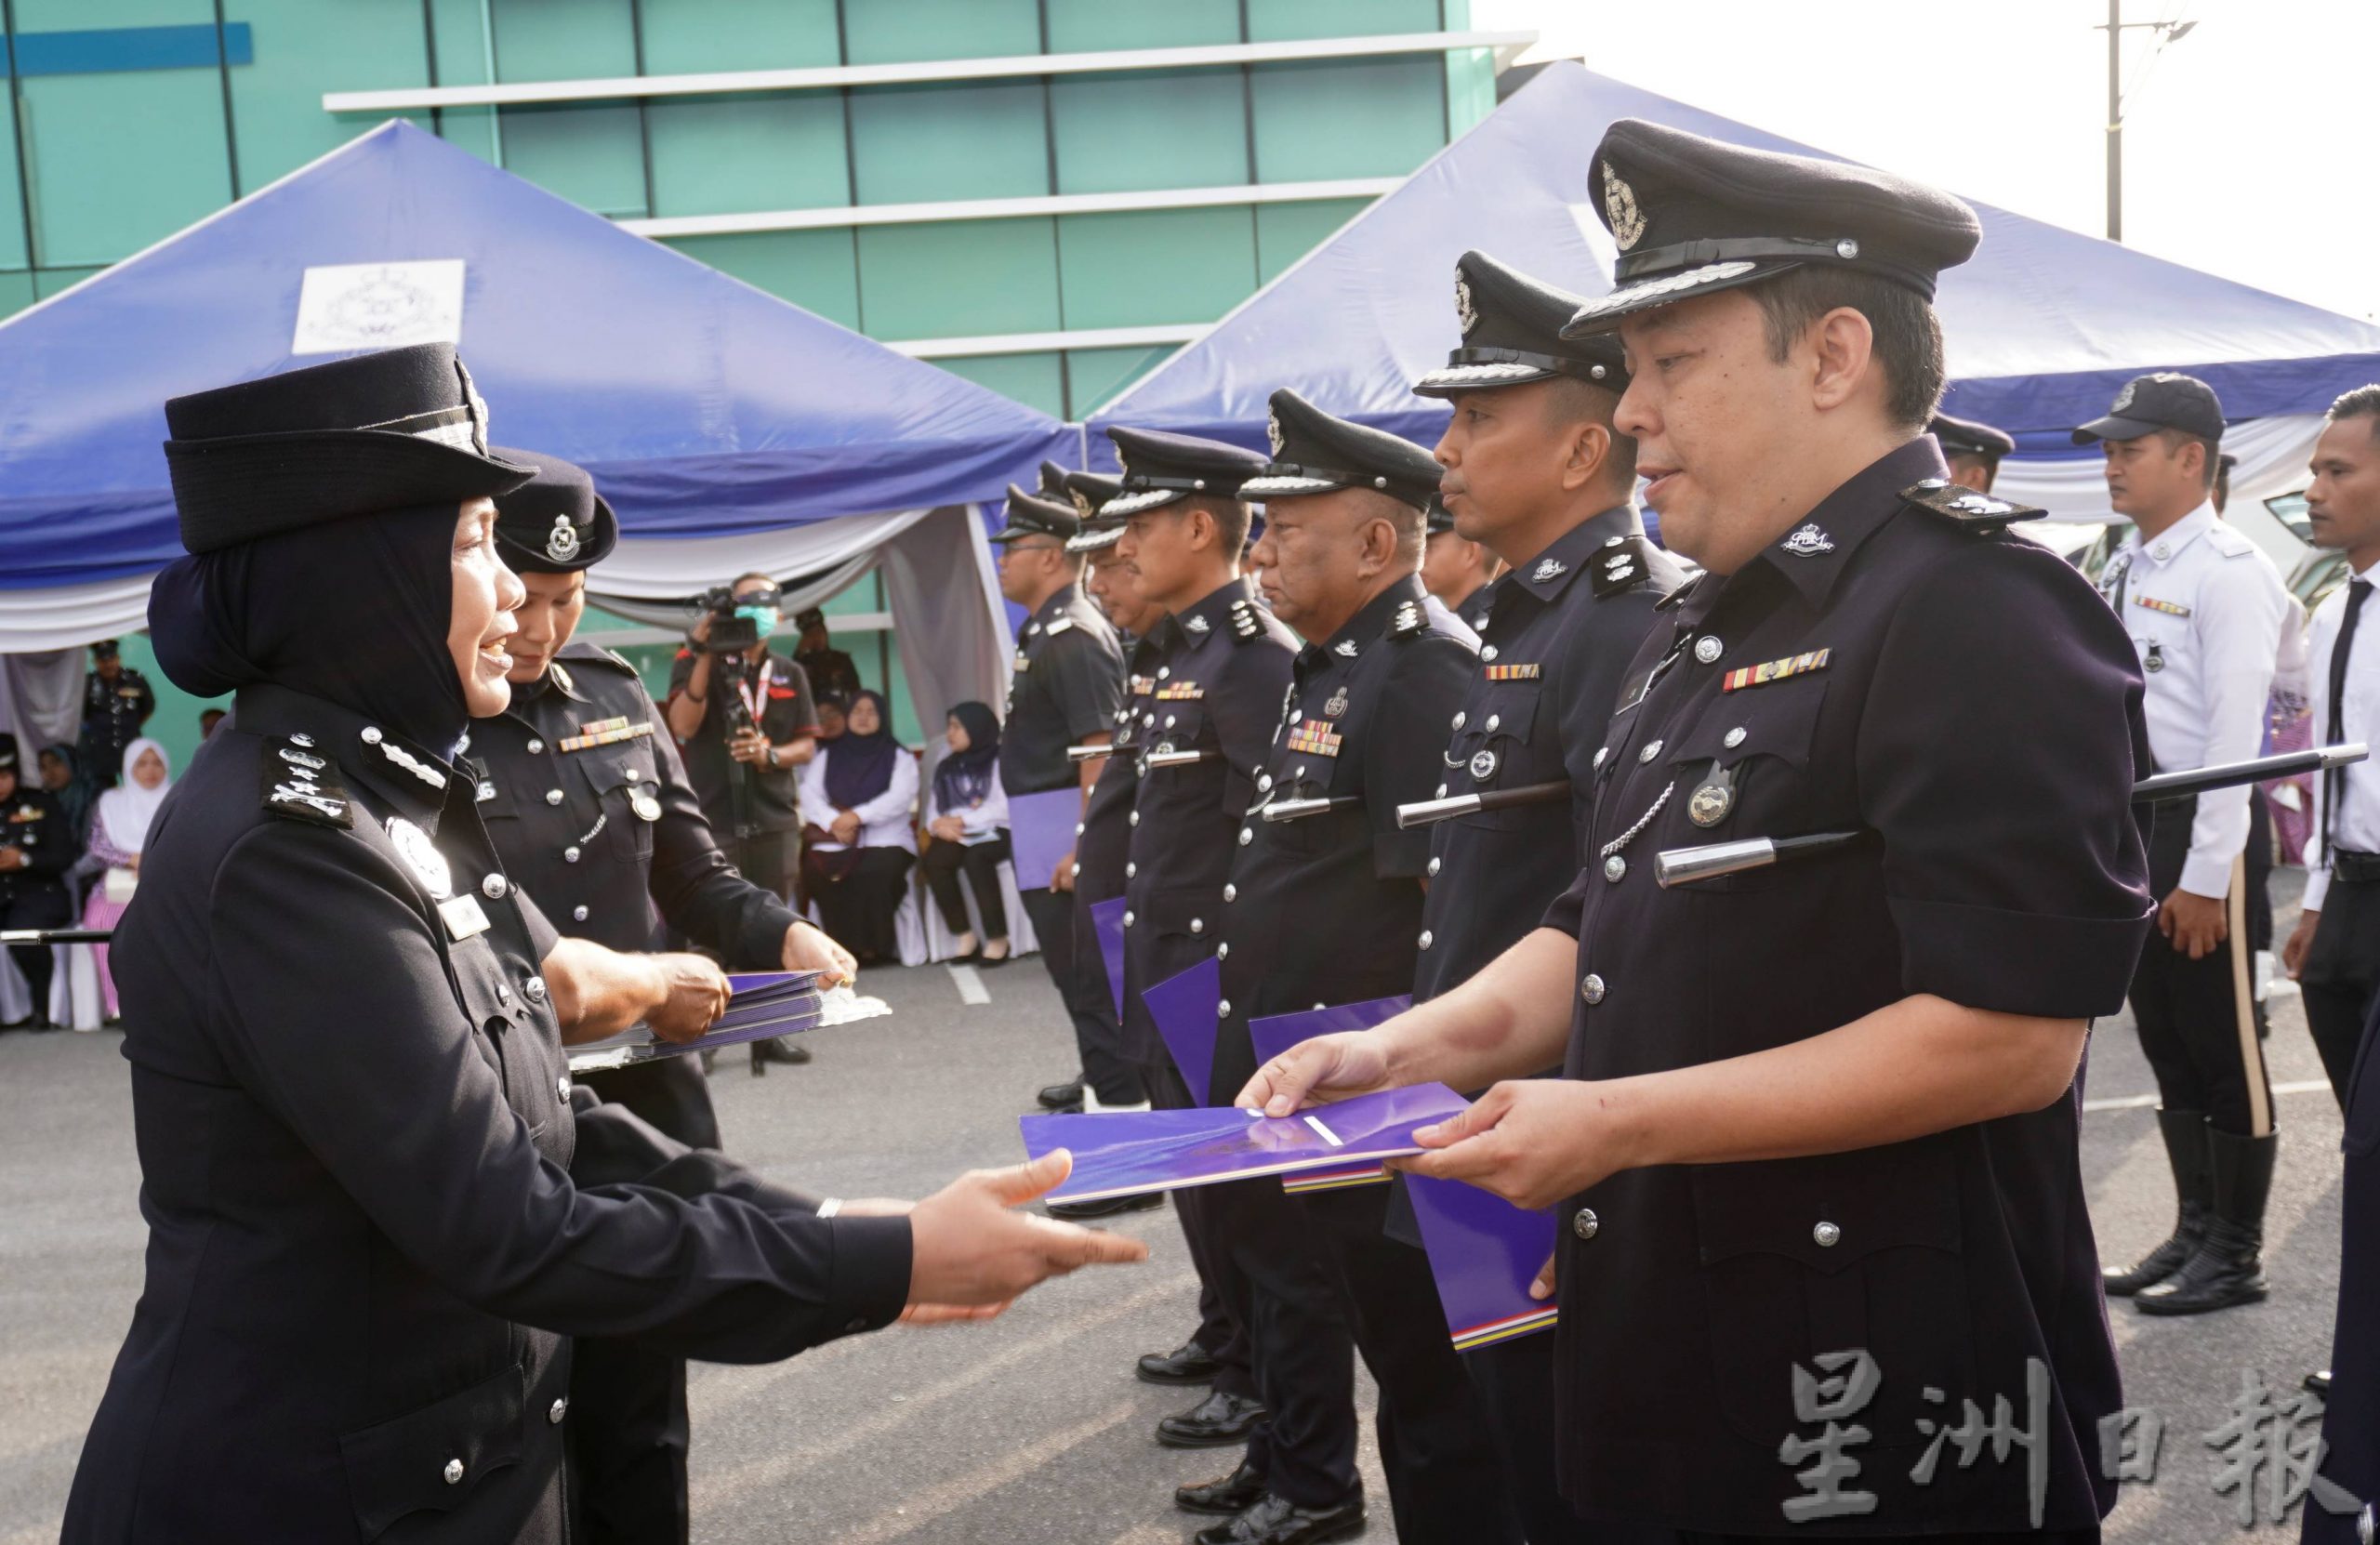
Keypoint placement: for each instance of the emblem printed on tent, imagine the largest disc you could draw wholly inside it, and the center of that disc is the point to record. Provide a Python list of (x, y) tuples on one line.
[(344, 306), (1619, 203)]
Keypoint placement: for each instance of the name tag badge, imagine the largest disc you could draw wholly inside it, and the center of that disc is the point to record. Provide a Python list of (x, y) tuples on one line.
[(463, 917)]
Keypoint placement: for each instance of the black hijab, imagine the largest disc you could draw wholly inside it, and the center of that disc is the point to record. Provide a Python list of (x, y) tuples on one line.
[(860, 767), (352, 611), (966, 776)]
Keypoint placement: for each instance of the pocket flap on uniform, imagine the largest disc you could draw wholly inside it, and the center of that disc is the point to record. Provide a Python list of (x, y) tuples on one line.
[(1828, 1210), (429, 1460), (1189, 911), (1779, 720), (1508, 711)]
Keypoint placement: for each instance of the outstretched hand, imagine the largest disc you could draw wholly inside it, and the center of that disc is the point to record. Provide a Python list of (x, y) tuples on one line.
[(1315, 1073), (971, 1254), (1532, 1143)]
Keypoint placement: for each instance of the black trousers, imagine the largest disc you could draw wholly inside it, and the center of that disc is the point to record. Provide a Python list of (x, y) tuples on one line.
[(980, 863), (1515, 1383), (857, 910), (1446, 1479), (2197, 1018), (37, 906), (1693, 1536), (1281, 1289), (2341, 977), (1220, 1330)]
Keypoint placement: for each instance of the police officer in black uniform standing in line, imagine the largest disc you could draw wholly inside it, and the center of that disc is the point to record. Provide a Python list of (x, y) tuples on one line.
[(1064, 685), (1534, 471), (588, 807), (1815, 1146), (1216, 673), (366, 1255), (117, 700), (1327, 908), (37, 849), (1972, 451)]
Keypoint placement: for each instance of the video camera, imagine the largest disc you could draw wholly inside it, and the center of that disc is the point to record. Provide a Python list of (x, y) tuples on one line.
[(733, 627)]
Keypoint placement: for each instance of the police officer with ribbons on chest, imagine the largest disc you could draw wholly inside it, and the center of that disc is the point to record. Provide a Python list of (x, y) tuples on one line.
[(1813, 1150), (1534, 471), (588, 807), (117, 700), (1323, 906)]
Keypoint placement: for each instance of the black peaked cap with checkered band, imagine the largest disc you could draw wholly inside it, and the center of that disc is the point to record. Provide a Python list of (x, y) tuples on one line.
[(1030, 515), (555, 522), (1088, 493), (1314, 453), (1161, 467), (1692, 215), (1512, 335)]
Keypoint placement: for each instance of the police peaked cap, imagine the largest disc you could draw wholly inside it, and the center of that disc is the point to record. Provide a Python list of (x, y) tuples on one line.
[(1692, 215), (1090, 492), (1512, 335), (1030, 515), (1314, 453), (386, 430), (1964, 437), (555, 522), (1161, 467)]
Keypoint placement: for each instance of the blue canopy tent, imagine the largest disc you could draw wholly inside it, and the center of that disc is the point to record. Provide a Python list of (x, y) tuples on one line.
[(2042, 326), (729, 430)]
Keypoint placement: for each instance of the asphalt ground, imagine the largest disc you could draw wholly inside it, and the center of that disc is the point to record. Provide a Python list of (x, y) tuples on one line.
[(1032, 1429)]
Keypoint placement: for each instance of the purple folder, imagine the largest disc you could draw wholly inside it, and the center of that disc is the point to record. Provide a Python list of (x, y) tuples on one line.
[(1183, 1006), (1129, 1152), (1276, 1033), (1107, 923), (1041, 831), (1484, 1253)]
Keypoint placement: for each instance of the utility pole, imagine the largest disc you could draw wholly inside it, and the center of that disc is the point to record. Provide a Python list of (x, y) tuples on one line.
[(2167, 32)]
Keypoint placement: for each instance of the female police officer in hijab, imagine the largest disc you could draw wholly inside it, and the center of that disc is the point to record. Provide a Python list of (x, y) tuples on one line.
[(366, 1255)]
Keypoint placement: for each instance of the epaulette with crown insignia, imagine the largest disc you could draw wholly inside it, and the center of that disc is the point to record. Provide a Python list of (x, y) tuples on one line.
[(1966, 508)]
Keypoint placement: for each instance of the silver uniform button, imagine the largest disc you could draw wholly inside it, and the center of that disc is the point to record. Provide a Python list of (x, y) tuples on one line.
[(1649, 752), (1264, 781), (1168, 721), (453, 1472), (555, 1412), (1134, 819), (1603, 753), (1434, 868), (1613, 867), (1223, 951), (570, 854), (1827, 1235), (1585, 1224), (1132, 867), (535, 989), (1231, 892), (372, 737), (1591, 988), (1459, 718), (561, 1089), (631, 774), (1198, 925), (1442, 791), (1127, 919), (1246, 837), (1495, 720), (1707, 649), (494, 887), (536, 745), (1733, 738), (578, 913), (1164, 673), (1223, 1010), (553, 796), (1425, 939), (1489, 652), (503, 994)]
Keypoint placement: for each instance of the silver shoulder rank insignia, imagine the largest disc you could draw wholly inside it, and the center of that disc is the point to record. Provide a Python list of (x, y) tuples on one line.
[(1273, 433), (304, 786), (1808, 542), (1409, 621), (1337, 705), (561, 674), (1059, 625), (422, 857), (1198, 626), (1344, 649), (562, 543), (306, 760), (1464, 312), (1619, 203), (1549, 569), (1967, 509)]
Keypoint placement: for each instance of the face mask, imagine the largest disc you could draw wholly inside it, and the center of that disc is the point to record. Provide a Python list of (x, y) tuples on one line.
[(763, 619)]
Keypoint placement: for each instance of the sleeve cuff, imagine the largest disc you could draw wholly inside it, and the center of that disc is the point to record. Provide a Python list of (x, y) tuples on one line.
[(1564, 916), (2206, 876), (2018, 962), (762, 944), (870, 1286), (2318, 887)]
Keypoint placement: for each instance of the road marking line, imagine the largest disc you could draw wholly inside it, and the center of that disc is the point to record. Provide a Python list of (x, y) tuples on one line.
[(969, 985), (2140, 1102), (939, 1501)]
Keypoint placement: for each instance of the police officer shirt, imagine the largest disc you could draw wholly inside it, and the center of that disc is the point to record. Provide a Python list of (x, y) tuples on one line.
[(2355, 824), (112, 715), (1107, 834), (2205, 608), (1064, 684), (776, 695)]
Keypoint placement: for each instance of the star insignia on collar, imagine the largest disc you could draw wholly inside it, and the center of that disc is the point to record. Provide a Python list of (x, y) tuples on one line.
[(1619, 203), (1808, 542), (1273, 433), (1549, 568), (1198, 626), (1465, 311), (1345, 648)]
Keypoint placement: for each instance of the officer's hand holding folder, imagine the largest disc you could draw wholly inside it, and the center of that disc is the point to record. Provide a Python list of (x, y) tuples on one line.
[(760, 1004)]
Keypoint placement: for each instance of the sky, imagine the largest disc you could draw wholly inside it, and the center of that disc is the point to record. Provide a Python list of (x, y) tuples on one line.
[(2249, 149)]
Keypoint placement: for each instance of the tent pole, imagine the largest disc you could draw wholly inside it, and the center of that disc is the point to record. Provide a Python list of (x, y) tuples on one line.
[(2115, 120)]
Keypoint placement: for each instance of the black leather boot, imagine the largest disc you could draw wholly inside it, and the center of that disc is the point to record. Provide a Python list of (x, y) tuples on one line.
[(2229, 1268), (2185, 1134)]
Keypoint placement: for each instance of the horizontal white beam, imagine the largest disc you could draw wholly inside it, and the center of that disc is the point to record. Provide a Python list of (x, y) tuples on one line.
[(1039, 343), (840, 215), (827, 77)]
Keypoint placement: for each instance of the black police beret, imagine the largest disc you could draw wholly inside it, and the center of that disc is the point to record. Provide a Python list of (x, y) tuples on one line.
[(1512, 334), (1314, 453), (1161, 466), (1964, 437), (106, 648), (2167, 400), (378, 431), (1693, 215), (1030, 515), (555, 522)]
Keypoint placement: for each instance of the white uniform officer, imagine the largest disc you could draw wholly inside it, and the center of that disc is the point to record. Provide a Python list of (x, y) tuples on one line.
[(2204, 609)]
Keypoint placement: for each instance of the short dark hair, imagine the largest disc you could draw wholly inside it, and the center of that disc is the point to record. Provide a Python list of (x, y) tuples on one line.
[(2176, 439), (1230, 516), (2363, 402), (1908, 334), (1572, 399)]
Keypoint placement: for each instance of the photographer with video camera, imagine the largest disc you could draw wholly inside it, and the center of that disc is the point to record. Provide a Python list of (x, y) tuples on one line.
[(743, 718)]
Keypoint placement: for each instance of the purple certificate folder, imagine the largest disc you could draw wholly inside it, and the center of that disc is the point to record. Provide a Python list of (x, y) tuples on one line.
[(1107, 922), (1183, 1006), (1484, 1253), (1276, 1033), (1041, 831), (1129, 1152)]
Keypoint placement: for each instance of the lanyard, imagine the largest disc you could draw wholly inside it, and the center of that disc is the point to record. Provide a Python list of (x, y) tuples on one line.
[(756, 697)]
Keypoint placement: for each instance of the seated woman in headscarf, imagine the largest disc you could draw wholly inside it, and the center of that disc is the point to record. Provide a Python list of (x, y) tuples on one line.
[(119, 830), (61, 774), (965, 819), (859, 808)]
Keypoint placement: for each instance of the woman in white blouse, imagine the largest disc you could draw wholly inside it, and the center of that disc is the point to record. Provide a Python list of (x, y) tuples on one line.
[(859, 809), (965, 818)]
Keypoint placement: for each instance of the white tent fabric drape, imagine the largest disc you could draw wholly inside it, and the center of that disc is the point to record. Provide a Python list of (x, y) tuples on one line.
[(41, 699)]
